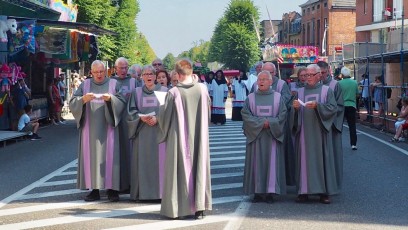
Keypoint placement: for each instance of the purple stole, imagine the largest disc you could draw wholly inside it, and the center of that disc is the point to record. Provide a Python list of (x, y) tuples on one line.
[(185, 148), (303, 169), (109, 140), (267, 111)]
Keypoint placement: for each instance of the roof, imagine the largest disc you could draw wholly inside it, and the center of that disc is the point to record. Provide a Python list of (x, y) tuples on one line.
[(26, 8), (344, 4), (80, 26), (308, 3)]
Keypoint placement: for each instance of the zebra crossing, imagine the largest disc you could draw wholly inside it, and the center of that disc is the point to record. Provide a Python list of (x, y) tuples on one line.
[(53, 202)]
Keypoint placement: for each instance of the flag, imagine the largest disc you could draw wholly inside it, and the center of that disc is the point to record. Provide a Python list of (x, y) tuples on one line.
[(280, 59), (256, 29)]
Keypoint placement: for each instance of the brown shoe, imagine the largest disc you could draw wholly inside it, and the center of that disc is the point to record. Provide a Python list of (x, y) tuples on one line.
[(302, 198), (324, 199)]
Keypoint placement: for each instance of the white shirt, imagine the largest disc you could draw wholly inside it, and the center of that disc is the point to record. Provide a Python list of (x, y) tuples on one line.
[(23, 121)]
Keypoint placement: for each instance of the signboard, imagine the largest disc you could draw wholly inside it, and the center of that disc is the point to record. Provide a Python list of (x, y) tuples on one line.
[(290, 53)]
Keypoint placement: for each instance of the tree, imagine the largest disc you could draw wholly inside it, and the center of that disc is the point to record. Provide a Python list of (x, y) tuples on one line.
[(234, 41), (168, 61)]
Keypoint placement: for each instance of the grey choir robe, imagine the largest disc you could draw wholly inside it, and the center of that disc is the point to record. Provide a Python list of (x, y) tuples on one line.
[(127, 84), (148, 156), (337, 128), (184, 120), (97, 121), (315, 163), (264, 161)]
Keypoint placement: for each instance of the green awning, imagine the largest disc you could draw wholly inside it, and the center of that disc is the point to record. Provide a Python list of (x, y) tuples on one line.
[(25, 8)]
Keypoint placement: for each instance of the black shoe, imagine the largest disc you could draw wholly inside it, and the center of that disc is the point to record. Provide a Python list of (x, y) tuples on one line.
[(302, 198), (257, 198), (113, 195), (324, 199), (93, 196), (199, 215), (269, 199)]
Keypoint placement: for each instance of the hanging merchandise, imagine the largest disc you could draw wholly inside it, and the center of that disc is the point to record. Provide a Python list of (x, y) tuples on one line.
[(7, 25), (24, 38), (54, 41)]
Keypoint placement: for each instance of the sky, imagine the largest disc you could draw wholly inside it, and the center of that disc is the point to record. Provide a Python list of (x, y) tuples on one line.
[(160, 20)]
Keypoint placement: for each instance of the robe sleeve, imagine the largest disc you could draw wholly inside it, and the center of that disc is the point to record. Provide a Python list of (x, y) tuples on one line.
[(277, 124), (77, 107), (294, 120), (287, 96), (338, 121), (115, 107), (252, 125), (326, 112), (165, 117), (133, 120)]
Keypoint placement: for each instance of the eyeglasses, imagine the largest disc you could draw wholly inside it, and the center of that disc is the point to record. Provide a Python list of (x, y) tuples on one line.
[(98, 72), (124, 67), (157, 64), (148, 74), (311, 75)]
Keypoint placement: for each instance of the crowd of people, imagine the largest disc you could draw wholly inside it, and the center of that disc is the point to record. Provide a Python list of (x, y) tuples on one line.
[(144, 131)]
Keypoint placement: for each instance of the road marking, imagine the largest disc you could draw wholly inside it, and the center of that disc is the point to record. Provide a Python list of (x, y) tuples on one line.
[(227, 166), (226, 186), (225, 175), (238, 216), (225, 147), (60, 182), (14, 196), (44, 207), (227, 158), (227, 138), (67, 173), (227, 153), (221, 141), (82, 217), (49, 194), (382, 141)]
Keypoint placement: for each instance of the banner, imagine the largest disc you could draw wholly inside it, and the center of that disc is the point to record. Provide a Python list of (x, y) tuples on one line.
[(290, 53)]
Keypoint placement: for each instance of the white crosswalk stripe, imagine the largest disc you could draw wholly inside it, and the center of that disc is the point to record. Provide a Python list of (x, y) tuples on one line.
[(227, 148)]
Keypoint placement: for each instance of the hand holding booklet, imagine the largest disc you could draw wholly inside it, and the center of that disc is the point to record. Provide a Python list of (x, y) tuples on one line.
[(302, 103), (146, 115)]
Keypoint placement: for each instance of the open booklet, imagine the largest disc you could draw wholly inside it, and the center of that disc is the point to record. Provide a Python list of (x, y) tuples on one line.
[(303, 103), (161, 96), (149, 114), (98, 95)]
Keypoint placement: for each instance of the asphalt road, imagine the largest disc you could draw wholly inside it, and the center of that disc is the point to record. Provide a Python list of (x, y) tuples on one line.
[(38, 189)]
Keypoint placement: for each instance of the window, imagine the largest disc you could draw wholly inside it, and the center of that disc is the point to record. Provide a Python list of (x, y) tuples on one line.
[(365, 7), (325, 5), (318, 6), (308, 10), (304, 11), (397, 11), (318, 32), (313, 8), (378, 8)]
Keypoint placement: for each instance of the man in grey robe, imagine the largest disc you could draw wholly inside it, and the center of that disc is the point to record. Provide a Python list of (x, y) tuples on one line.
[(282, 87), (337, 127), (311, 124), (127, 84), (97, 107), (135, 71), (264, 116), (184, 120)]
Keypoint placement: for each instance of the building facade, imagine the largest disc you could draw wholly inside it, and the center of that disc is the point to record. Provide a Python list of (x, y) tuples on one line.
[(328, 24), (290, 28)]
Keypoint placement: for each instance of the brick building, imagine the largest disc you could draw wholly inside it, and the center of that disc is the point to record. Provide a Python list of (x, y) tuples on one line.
[(339, 16), (290, 28), (269, 30)]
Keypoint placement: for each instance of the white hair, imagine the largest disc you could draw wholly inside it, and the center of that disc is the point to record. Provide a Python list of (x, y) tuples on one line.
[(314, 66), (97, 63), (132, 69), (149, 67), (121, 59), (345, 72), (267, 73)]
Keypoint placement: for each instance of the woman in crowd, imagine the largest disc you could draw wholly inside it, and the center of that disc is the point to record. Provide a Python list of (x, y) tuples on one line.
[(163, 78), (173, 79), (239, 94), (402, 116), (218, 94), (54, 102), (147, 164), (208, 80), (378, 94)]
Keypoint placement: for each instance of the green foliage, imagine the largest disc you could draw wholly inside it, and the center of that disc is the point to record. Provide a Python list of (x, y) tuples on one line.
[(234, 41), (168, 61), (198, 53), (120, 18)]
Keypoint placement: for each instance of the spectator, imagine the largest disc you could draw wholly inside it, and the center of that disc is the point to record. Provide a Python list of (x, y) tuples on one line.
[(25, 125), (378, 94), (174, 78), (398, 135), (135, 71), (21, 94), (366, 95), (158, 64), (402, 116), (264, 116), (350, 92)]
